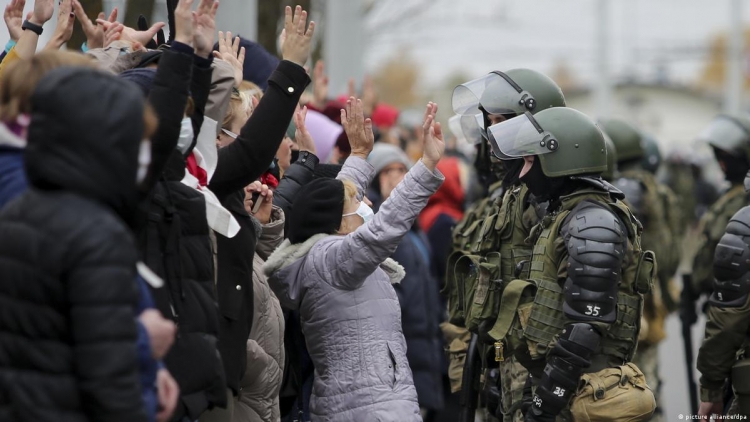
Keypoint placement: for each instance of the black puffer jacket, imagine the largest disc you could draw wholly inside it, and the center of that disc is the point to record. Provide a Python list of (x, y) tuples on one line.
[(173, 234), (67, 259)]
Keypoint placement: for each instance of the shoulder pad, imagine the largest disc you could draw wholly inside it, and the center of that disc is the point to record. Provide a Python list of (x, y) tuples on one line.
[(731, 272), (602, 184), (596, 241), (635, 195), (739, 225)]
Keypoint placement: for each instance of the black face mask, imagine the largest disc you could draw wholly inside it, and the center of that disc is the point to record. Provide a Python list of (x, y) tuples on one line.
[(512, 170), (542, 187), (295, 156)]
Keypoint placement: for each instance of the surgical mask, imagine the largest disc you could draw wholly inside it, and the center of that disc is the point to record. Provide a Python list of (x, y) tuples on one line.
[(363, 211), (186, 135), (144, 160)]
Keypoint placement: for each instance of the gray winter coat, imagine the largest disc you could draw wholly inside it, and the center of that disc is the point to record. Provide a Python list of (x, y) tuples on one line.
[(349, 311), (258, 399)]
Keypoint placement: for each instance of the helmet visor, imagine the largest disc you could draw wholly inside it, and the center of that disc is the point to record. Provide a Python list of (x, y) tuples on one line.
[(520, 137), (502, 95), (466, 96), (472, 128), (725, 134)]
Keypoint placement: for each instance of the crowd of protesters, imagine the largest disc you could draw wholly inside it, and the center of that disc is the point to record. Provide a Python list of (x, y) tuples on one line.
[(187, 235)]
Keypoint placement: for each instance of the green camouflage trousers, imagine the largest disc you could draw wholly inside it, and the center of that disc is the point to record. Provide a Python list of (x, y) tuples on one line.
[(647, 359), (512, 380)]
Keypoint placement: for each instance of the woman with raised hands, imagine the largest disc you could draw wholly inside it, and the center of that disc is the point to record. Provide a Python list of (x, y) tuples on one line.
[(334, 269)]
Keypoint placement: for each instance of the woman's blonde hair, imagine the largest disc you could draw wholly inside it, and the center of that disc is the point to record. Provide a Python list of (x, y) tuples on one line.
[(251, 89), (350, 196), (239, 105), (20, 79)]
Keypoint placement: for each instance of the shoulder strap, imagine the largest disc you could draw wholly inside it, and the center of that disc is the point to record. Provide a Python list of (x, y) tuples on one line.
[(508, 305)]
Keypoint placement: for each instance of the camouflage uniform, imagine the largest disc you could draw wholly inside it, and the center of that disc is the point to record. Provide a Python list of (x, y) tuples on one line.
[(575, 316), (723, 352), (491, 243), (711, 227)]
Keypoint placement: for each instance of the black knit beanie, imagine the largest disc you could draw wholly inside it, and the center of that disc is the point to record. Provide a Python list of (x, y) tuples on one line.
[(318, 208)]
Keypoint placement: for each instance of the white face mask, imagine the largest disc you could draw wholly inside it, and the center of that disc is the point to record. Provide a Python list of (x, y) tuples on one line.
[(363, 211), (186, 135), (144, 160)]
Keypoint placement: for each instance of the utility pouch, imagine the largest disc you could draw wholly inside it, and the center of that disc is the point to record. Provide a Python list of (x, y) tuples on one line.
[(616, 394), (645, 272), (482, 286)]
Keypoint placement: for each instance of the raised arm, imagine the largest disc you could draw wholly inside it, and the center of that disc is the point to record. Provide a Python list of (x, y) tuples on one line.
[(362, 251), (301, 172), (248, 157)]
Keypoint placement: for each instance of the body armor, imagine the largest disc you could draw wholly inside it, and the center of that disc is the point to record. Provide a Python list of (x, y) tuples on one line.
[(732, 263)]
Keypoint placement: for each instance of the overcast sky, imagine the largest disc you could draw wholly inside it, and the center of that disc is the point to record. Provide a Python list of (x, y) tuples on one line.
[(475, 36)]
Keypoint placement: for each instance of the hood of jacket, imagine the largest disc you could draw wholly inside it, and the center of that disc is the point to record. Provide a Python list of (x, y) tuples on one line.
[(85, 135), (449, 198), (287, 254)]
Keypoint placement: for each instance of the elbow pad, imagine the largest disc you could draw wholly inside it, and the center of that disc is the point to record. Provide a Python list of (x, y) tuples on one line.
[(570, 356), (596, 241), (732, 263)]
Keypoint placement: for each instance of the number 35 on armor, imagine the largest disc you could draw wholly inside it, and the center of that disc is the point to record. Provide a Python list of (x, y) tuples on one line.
[(592, 310)]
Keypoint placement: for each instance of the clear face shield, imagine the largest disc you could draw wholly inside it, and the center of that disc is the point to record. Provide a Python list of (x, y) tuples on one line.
[(498, 93), (520, 137)]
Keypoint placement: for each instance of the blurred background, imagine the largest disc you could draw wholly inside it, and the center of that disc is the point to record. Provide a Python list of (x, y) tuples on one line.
[(668, 66)]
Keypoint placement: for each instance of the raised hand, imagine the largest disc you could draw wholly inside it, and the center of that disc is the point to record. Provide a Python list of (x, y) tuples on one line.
[(320, 85), (64, 30), (298, 41), (130, 34), (43, 11), (112, 32), (94, 31), (358, 129), (13, 16), (204, 27), (302, 136), (230, 52), (434, 145), (183, 22), (369, 96)]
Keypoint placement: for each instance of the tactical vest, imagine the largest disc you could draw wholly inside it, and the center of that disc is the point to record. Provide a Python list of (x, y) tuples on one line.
[(497, 252), (465, 237), (712, 226), (531, 310)]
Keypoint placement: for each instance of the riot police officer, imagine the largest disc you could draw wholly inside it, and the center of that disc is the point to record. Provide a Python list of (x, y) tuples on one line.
[(492, 235), (574, 319), (723, 352), (729, 136), (655, 206)]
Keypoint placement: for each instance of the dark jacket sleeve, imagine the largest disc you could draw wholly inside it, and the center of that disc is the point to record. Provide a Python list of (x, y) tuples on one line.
[(298, 175), (103, 295), (245, 159), (168, 97)]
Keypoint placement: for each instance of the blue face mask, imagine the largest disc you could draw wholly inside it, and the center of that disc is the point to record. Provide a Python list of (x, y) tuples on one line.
[(363, 211)]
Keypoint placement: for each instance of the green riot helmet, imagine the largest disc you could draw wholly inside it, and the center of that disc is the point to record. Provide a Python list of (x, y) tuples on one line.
[(566, 141), (651, 154), (626, 137), (609, 174), (729, 133), (513, 92)]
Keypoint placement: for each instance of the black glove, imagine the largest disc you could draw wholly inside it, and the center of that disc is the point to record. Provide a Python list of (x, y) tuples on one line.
[(533, 415)]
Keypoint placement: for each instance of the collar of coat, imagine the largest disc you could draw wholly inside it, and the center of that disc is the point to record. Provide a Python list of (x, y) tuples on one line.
[(288, 253)]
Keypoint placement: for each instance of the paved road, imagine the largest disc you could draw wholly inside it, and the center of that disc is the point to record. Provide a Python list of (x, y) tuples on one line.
[(675, 397)]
